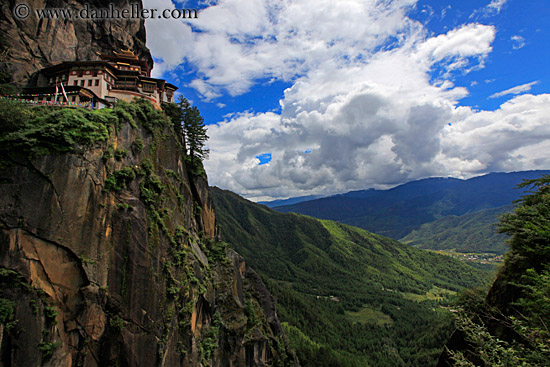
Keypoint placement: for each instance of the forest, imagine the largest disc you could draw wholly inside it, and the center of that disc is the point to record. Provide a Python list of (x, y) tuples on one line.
[(347, 297)]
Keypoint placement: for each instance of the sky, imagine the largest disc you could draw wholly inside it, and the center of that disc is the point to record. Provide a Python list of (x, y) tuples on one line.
[(317, 97)]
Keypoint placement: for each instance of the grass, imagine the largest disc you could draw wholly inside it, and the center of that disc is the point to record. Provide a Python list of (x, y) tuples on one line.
[(368, 315), (435, 294)]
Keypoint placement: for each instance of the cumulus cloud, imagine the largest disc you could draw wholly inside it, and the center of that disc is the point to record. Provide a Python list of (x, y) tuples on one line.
[(372, 102), (376, 123), (514, 137), (470, 40), (375, 137), (515, 90), (236, 42)]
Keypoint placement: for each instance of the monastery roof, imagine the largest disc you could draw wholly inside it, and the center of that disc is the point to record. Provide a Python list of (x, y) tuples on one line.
[(67, 64)]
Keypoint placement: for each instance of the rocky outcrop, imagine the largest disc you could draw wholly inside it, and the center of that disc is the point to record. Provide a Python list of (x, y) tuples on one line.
[(35, 43), (109, 253), (109, 257)]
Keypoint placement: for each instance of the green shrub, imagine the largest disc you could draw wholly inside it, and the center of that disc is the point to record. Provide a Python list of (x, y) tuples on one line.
[(43, 130), (51, 314), (47, 349), (124, 206), (7, 313), (120, 154), (120, 179), (137, 145), (116, 322)]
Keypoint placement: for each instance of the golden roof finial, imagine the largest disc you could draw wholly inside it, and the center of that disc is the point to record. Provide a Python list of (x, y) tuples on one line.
[(125, 53)]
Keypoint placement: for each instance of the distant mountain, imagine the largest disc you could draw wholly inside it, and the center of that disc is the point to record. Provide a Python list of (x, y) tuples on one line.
[(474, 232), (290, 201), (346, 297), (398, 211)]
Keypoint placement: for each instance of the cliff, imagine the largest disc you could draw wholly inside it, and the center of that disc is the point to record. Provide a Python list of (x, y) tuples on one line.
[(35, 43), (108, 249)]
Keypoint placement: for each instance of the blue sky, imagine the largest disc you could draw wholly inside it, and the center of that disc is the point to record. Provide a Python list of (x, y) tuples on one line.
[(319, 97)]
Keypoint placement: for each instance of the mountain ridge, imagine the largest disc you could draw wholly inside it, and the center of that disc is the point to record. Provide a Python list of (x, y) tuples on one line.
[(396, 212)]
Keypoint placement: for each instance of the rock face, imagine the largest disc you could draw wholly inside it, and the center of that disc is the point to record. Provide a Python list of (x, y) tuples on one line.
[(35, 43), (109, 257), (109, 253)]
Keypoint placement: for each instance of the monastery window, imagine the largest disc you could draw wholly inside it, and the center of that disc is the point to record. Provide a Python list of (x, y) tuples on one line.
[(96, 82), (148, 87), (82, 83), (75, 82), (73, 98), (90, 83)]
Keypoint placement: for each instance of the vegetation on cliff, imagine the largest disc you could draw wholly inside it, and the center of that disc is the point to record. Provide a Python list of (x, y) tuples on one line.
[(111, 232), (189, 123), (348, 297), (510, 326)]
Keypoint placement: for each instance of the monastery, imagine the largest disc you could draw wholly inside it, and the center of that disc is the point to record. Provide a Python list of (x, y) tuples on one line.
[(98, 84)]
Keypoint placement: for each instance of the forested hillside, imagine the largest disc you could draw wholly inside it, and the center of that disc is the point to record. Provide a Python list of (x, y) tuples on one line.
[(348, 297), (398, 211), (474, 232)]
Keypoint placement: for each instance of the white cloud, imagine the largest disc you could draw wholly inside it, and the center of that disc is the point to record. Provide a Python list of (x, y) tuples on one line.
[(515, 90), (373, 124), (240, 41), (470, 40), (375, 137), (518, 42), (490, 10), (496, 5), (363, 101), (514, 137)]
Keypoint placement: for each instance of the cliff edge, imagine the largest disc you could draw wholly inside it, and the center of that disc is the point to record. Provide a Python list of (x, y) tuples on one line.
[(108, 249)]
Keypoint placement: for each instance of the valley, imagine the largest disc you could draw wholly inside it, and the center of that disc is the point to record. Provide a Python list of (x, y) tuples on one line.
[(349, 296)]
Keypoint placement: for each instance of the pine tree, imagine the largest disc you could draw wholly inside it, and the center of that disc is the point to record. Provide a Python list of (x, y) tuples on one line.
[(511, 327), (195, 133)]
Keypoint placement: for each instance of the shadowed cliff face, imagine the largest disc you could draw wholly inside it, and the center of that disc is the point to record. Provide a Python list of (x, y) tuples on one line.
[(34, 43), (108, 245), (108, 257)]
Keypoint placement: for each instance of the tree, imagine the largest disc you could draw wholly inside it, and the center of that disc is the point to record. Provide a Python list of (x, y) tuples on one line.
[(529, 226), (194, 131), (189, 124), (512, 326)]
